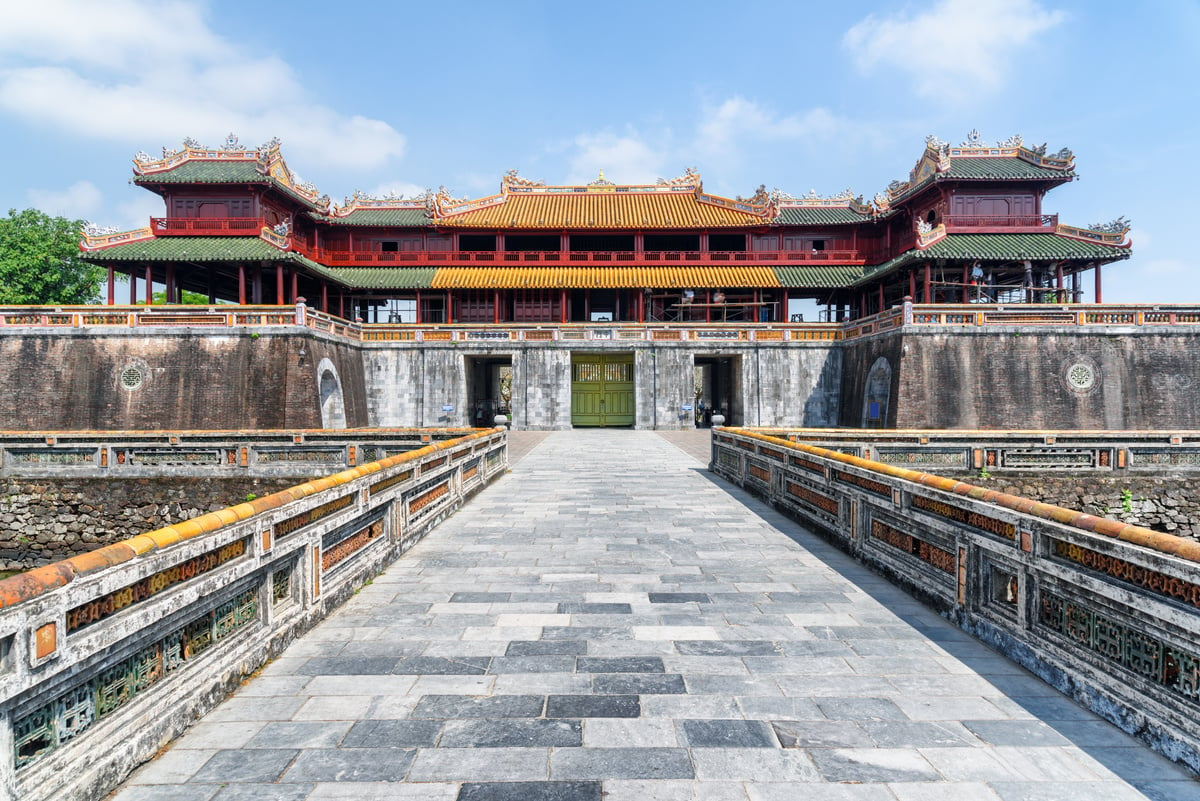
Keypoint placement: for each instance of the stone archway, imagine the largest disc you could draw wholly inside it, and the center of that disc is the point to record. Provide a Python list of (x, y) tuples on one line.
[(333, 407), (876, 394)]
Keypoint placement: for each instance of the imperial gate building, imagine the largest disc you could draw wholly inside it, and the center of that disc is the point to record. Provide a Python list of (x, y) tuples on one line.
[(607, 305)]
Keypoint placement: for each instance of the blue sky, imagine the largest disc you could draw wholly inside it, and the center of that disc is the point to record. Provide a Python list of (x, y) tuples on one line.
[(401, 96)]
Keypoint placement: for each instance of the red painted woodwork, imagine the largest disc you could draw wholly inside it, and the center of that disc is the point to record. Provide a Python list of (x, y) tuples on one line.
[(342, 258), (222, 226)]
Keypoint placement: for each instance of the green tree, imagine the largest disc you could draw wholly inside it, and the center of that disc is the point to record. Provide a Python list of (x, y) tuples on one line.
[(186, 297), (40, 263)]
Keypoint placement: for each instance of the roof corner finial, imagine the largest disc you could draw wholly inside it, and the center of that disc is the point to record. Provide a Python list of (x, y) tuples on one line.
[(601, 178)]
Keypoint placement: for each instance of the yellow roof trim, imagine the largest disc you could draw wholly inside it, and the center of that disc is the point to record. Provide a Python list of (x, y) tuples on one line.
[(603, 277)]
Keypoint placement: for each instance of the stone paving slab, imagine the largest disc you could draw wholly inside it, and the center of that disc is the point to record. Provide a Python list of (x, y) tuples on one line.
[(610, 622)]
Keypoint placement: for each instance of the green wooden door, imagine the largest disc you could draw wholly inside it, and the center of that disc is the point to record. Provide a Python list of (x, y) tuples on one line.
[(602, 389)]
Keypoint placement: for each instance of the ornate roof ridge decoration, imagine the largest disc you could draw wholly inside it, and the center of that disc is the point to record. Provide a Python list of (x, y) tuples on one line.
[(441, 203), (1115, 232), (267, 159), (690, 178), (361, 201), (938, 156), (96, 237), (846, 199), (511, 180)]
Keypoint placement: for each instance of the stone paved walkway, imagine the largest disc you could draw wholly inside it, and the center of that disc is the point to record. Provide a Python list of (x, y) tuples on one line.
[(608, 621)]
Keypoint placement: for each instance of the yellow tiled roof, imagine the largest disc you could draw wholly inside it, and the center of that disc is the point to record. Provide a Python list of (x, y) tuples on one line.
[(601, 210), (602, 277)]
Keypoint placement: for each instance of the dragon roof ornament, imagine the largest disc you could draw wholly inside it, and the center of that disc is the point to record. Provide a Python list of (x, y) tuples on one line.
[(690, 177), (511, 180), (1121, 225)]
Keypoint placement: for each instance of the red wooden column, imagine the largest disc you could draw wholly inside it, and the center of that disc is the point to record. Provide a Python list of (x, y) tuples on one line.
[(912, 284), (880, 297), (132, 287), (641, 307), (1099, 294), (242, 284), (449, 307), (418, 306), (341, 304), (149, 284), (1061, 283), (564, 310), (496, 306), (785, 314), (325, 297), (112, 285), (966, 291), (295, 285), (926, 297), (279, 298)]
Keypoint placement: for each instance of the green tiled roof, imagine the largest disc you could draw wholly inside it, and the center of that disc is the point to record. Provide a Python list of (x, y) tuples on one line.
[(398, 218), (1006, 247), (207, 172), (820, 215), (1004, 169), (191, 248), (384, 277), (823, 277)]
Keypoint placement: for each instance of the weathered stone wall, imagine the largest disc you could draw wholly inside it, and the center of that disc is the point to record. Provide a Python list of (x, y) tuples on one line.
[(45, 520), (72, 380), (1168, 504), (1017, 378)]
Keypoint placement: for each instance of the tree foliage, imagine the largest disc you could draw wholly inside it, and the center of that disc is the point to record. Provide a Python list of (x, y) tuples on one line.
[(40, 263), (186, 297)]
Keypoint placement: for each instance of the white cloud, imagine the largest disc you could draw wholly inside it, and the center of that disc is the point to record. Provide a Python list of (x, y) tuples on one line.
[(400, 188), (738, 120), (625, 159), (146, 73), (954, 49), (79, 201)]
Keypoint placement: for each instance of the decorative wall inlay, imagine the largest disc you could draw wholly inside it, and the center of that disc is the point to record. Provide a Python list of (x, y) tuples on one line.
[(991, 525), (281, 583), (338, 546), (315, 455), (1125, 644), (423, 499), (930, 554), (1130, 573), (1043, 459), (746, 446), (759, 472), (170, 456), (285, 527), (433, 463), (51, 456), (106, 605), (1163, 457), (387, 483), (809, 465), (132, 377), (107, 690), (813, 498), (1080, 377), (771, 453), (954, 458), (471, 471), (727, 458), (875, 487)]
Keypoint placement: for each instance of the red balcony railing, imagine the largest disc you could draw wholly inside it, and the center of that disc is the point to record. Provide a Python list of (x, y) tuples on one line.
[(215, 226), (348, 258), (1014, 223)]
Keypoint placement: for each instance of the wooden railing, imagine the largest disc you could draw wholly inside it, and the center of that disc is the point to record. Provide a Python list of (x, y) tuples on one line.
[(217, 226), (1008, 224)]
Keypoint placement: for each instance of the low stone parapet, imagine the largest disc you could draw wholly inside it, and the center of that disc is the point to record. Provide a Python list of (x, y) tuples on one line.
[(107, 656), (1106, 612)]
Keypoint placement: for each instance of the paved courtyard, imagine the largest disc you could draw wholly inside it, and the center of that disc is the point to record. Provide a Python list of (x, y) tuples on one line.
[(610, 622)]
